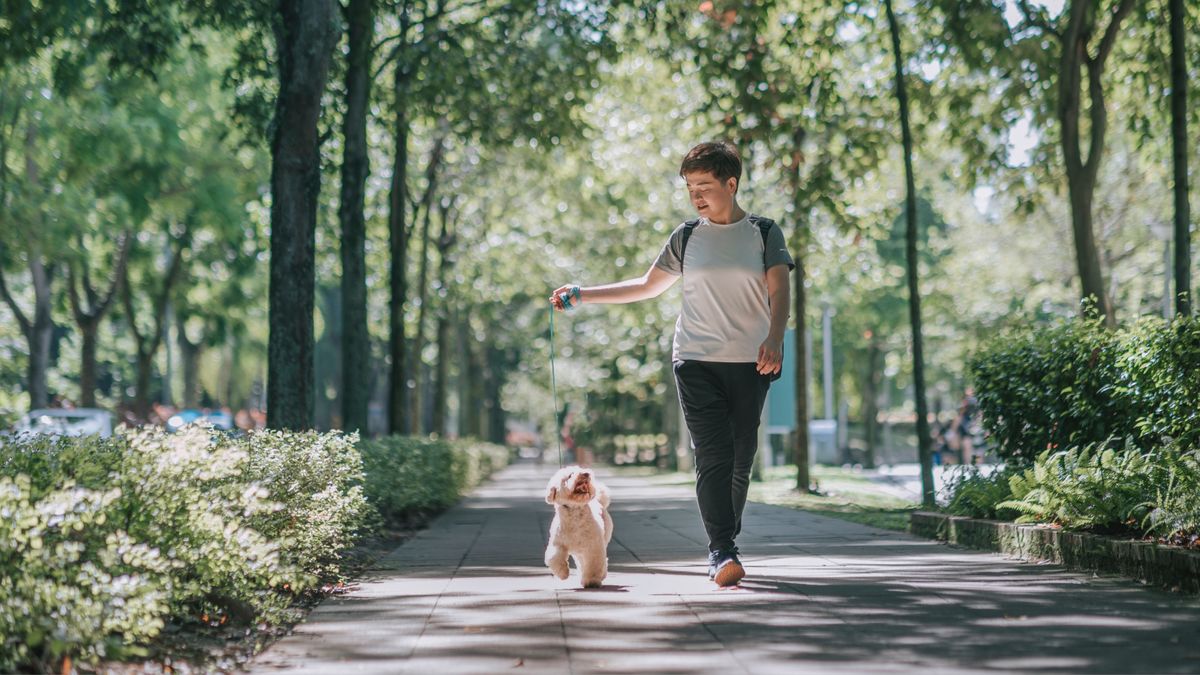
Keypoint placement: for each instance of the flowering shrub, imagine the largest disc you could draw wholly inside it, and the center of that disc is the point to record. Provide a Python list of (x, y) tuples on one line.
[(317, 481), (103, 542)]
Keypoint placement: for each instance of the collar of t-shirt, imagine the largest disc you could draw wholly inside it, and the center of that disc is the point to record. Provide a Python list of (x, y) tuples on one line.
[(743, 220)]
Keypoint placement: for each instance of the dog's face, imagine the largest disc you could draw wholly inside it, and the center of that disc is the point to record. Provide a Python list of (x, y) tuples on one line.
[(571, 485)]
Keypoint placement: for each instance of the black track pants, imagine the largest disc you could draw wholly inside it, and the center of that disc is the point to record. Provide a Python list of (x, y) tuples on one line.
[(722, 403)]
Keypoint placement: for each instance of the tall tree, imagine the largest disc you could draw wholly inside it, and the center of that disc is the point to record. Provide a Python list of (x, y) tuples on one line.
[(356, 351), (305, 34), (1045, 62), (89, 306), (910, 238), (1179, 147), (446, 58), (148, 341)]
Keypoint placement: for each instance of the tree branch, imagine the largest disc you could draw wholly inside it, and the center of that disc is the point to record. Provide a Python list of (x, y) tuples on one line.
[(22, 320), (1036, 19), (1110, 33)]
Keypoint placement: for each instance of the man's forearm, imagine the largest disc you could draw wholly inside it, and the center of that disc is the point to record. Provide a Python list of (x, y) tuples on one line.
[(780, 307), (630, 290)]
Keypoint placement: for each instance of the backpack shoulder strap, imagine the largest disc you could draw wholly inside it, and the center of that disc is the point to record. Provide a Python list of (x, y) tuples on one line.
[(764, 229), (686, 234)]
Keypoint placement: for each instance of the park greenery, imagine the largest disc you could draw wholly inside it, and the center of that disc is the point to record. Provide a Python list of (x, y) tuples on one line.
[(1098, 428), (109, 547), (347, 215), (360, 235)]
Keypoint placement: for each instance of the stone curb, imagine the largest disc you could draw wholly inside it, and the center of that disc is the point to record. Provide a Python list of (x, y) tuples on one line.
[(1167, 566)]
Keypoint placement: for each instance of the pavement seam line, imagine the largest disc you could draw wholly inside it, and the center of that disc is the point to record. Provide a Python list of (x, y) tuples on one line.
[(710, 631), (562, 623)]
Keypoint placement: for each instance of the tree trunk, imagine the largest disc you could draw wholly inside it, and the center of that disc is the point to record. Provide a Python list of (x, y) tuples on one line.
[(305, 35), (42, 330), (800, 312), (189, 353), (870, 404), (910, 248), (1179, 148), (356, 348), (441, 373), (87, 364), (472, 402), (418, 346), (88, 316), (141, 397), (1082, 175), (398, 417)]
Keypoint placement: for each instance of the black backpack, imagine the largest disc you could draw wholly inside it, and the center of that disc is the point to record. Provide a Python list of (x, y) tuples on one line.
[(764, 228)]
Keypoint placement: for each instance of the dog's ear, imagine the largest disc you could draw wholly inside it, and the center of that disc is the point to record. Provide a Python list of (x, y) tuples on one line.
[(551, 495)]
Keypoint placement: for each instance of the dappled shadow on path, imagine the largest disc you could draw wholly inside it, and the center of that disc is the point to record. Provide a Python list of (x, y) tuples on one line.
[(821, 595)]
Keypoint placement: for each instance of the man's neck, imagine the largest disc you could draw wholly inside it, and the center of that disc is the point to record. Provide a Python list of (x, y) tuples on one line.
[(734, 215)]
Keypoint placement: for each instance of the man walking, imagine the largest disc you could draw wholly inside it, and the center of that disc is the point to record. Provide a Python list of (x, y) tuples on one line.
[(728, 343)]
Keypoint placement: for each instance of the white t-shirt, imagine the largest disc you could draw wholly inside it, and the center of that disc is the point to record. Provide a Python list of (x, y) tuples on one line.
[(726, 313)]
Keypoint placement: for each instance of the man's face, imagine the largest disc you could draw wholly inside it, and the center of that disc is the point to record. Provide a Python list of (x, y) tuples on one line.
[(710, 196)]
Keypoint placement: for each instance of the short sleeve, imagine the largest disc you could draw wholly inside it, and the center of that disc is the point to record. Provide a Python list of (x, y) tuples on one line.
[(776, 252), (670, 259)]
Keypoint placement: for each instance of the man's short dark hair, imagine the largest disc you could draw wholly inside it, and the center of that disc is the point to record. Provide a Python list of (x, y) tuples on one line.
[(719, 158)]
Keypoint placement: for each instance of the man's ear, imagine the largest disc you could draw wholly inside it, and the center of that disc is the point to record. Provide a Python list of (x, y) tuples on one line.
[(551, 495), (732, 184)]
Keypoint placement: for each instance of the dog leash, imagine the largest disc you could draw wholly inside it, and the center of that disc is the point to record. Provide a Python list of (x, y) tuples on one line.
[(554, 390), (566, 298)]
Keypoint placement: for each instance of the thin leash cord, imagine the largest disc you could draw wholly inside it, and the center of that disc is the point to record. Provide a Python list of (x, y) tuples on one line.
[(554, 390)]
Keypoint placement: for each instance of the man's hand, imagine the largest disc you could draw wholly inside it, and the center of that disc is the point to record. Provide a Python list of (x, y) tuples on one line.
[(770, 356), (556, 298)]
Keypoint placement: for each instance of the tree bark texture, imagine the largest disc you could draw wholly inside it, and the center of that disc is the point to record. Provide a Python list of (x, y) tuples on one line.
[(910, 249), (356, 348), (800, 313), (398, 392), (305, 34), (1179, 149), (1082, 174)]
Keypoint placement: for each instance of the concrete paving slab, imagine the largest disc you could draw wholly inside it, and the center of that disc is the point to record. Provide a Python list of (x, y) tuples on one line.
[(470, 595)]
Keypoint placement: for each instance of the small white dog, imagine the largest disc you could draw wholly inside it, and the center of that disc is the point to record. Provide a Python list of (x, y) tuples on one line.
[(582, 526)]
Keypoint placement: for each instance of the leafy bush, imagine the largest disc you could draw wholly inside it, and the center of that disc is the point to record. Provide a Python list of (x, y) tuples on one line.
[(317, 481), (410, 477), (102, 542), (1078, 383), (975, 494), (70, 581), (105, 542)]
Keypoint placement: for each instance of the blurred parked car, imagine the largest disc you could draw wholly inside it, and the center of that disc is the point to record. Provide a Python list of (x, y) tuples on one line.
[(217, 419), (66, 422)]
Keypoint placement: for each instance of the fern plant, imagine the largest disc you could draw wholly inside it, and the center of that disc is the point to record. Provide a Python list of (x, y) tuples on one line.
[(1093, 487)]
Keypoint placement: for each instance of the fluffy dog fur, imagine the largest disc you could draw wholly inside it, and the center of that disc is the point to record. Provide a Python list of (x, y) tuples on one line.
[(582, 526)]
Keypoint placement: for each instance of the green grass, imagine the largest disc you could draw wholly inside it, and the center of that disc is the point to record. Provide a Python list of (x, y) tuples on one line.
[(843, 493)]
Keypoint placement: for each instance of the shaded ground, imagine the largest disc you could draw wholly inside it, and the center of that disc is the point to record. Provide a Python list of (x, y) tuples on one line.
[(470, 595)]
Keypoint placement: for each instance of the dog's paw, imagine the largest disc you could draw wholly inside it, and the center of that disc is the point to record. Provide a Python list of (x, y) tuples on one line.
[(560, 570), (593, 583)]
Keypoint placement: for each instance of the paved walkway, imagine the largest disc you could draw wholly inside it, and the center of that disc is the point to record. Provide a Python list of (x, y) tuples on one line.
[(470, 595)]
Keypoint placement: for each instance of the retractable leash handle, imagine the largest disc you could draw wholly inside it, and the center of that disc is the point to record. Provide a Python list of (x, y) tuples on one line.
[(570, 299)]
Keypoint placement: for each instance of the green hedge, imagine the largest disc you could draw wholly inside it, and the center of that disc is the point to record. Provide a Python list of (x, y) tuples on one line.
[(1077, 383), (105, 542), (408, 478)]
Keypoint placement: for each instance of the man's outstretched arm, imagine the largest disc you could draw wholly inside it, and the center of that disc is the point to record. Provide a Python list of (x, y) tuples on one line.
[(649, 285)]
